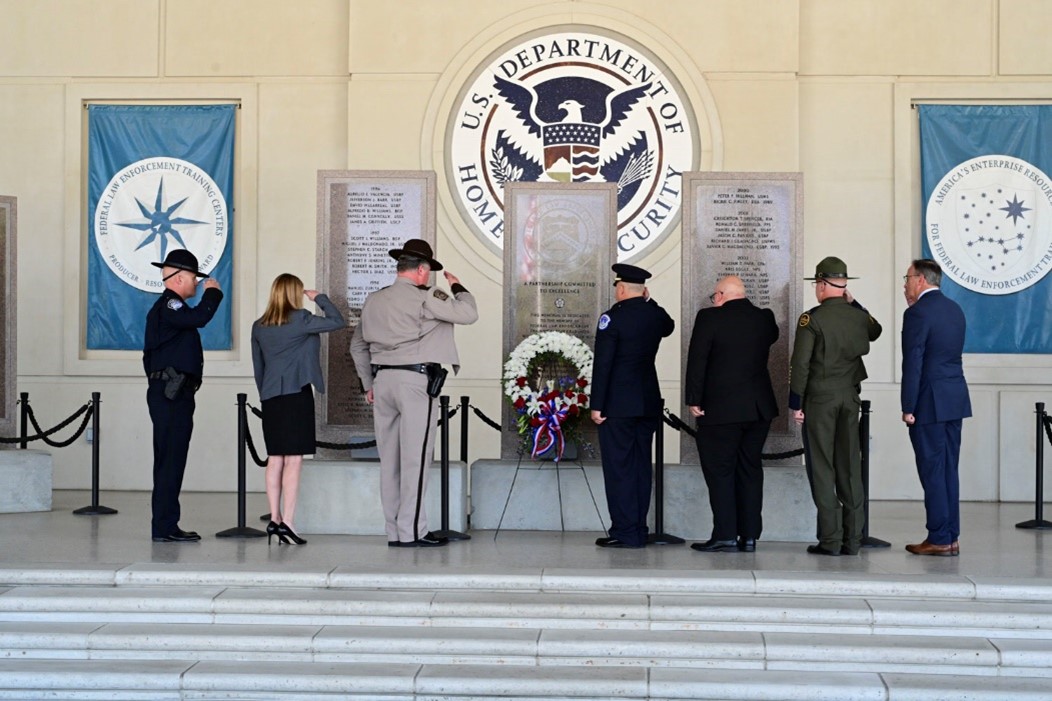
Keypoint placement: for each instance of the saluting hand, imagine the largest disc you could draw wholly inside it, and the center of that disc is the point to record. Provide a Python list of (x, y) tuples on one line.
[(451, 278), (848, 297), (211, 283), (310, 294)]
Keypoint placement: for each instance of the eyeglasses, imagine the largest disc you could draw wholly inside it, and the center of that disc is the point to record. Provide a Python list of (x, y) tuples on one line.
[(905, 278), (712, 297)]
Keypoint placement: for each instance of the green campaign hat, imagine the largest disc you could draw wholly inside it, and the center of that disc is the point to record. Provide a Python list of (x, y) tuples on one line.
[(831, 268)]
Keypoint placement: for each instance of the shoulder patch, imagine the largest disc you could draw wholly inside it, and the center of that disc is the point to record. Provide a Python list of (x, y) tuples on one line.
[(175, 305), (805, 319), (604, 321), (440, 295)]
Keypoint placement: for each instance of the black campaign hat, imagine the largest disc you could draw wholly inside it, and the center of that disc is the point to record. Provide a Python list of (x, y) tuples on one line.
[(181, 259), (417, 248), (629, 273)]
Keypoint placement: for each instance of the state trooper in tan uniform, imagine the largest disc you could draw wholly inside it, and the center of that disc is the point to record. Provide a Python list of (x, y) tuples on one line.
[(404, 336)]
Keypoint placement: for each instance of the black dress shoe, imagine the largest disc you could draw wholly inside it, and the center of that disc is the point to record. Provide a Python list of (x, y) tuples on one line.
[(715, 546), (819, 550), (844, 550), (747, 545), (176, 537), (193, 535), (615, 543), (428, 540)]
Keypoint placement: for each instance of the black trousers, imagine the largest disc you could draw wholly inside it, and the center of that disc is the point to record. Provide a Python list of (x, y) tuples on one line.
[(625, 443), (730, 461), (173, 423)]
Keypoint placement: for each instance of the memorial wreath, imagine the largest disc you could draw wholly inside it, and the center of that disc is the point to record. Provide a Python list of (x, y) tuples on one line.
[(548, 413)]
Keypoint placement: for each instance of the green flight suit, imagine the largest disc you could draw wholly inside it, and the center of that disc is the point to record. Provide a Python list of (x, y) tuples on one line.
[(825, 377)]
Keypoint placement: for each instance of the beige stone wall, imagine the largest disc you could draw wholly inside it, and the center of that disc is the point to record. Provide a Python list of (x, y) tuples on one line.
[(818, 86)]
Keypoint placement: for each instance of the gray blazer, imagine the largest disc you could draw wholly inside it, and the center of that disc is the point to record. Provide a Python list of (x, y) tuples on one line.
[(287, 357)]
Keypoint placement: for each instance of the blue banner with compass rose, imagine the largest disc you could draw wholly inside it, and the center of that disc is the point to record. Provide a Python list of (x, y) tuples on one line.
[(988, 219), (160, 177)]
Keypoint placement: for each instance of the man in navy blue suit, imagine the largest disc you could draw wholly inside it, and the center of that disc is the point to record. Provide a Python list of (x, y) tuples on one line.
[(934, 401), (626, 402)]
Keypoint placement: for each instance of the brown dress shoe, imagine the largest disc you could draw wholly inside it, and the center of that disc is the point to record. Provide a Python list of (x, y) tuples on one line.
[(927, 548)]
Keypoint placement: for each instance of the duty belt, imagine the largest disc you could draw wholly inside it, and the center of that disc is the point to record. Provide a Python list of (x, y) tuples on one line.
[(417, 367)]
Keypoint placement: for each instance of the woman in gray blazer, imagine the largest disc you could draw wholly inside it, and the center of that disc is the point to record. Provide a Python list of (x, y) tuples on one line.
[(285, 356)]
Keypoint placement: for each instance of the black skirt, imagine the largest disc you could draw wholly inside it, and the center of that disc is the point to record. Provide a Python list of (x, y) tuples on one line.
[(288, 423)]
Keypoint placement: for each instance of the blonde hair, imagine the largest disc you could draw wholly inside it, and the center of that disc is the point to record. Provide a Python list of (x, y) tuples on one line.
[(285, 298)]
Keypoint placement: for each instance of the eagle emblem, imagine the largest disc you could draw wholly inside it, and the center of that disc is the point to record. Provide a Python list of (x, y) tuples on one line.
[(570, 133)]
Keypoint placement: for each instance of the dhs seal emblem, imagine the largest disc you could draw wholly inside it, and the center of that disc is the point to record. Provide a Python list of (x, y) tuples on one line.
[(989, 224), (153, 205), (573, 107)]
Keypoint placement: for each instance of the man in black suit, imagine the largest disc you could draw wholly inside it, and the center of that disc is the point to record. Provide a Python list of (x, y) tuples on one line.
[(626, 402), (728, 389)]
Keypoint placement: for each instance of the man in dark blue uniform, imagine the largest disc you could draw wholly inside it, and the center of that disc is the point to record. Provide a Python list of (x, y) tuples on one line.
[(626, 402), (173, 360)]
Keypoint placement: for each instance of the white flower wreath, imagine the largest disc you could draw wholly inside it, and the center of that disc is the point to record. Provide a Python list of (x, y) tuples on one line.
[(536, 405)]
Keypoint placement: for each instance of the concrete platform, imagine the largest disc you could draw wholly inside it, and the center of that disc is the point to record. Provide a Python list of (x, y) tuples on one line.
[(343, 497), (571, 496), (25, 481)]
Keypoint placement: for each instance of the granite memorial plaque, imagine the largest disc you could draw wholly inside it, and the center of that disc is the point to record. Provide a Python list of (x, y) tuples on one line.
[(8, 317), (361, 216), (749, 225), (558, 249)]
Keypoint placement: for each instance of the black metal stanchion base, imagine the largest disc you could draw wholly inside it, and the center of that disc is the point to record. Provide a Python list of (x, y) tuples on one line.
[(94, 511), (265, 517), (1035, 524), (241, 532), (871, 542), (451, 535), (664, 539)]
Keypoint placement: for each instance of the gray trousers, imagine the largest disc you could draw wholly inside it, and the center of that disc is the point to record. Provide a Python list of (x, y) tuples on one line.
[(405, 439)]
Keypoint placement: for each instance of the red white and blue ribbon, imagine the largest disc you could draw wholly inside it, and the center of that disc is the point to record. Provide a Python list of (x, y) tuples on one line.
[(550, 430)]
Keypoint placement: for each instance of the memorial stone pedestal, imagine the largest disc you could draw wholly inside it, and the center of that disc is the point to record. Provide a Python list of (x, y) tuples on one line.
[(25, 481), (343, 497), (544, 498)]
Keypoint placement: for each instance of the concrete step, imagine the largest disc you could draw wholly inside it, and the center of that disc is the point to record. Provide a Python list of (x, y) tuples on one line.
[(363, 576), (327, 606), (816, 652), (262, 681)]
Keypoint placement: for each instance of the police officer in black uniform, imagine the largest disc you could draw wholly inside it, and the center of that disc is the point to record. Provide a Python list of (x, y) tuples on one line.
[(173, 360), (626, 402)]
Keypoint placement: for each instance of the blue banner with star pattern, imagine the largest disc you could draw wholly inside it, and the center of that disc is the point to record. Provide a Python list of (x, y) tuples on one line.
[(160, 178), (987, 218)]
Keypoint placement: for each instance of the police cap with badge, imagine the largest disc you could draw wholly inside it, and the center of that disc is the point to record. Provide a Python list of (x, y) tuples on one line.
[(629, 273)]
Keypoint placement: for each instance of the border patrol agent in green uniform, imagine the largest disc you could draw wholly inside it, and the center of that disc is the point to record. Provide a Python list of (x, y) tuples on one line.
[(825, 379)]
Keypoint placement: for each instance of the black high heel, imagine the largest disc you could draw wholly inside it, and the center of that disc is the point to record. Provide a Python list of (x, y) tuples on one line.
[(272, 530), (285, 534)]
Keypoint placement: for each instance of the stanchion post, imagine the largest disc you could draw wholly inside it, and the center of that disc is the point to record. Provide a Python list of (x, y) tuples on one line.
[(1038, 522), (443, 436), (95, 509), (464, 429), (241, 530), (659, 537), (863, 442), (23, 433)]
